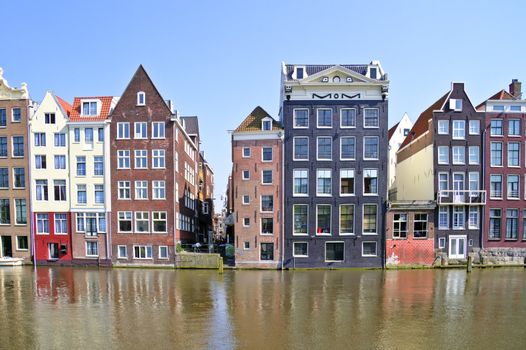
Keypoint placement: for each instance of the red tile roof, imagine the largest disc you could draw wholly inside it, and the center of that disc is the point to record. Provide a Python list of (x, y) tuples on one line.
[(253, 121), (392, 131), (422, 123), (501, 95), (104, 110), (65, 106)]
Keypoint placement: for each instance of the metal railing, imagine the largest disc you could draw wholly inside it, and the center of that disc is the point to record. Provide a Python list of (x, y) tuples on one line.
[(462, 197)]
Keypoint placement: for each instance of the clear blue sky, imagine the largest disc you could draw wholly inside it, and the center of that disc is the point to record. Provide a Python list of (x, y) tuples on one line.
[(220, 59)]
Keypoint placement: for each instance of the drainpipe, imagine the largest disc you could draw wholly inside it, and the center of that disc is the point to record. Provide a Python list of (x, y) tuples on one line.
[(30, 179), (483, 180), (175, 184), (282, 167)]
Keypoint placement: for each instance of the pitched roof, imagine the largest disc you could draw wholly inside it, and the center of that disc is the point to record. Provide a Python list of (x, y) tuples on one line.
[(315, 68), (501, 95), (422, 123), (391, 131), (65, 105), (253, 121), (191, 125), (76, 116)]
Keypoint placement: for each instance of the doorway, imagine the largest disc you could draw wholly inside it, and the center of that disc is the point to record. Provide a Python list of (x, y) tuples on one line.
[(7, 248), (457, 247), (53, 251)]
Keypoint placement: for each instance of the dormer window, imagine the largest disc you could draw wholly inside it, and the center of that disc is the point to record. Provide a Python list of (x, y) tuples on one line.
[(89, 108), (141, 98), (373, 73), (455, 104), (266, 124), (299, 73)]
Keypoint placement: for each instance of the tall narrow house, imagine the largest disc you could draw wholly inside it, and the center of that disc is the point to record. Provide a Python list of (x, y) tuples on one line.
[(441, 160), (257, 190), (335, 164), (15, 105)]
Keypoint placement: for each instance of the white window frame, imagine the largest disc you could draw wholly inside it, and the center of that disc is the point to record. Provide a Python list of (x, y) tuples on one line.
[(299, 170), (261, 203), (140, 156), (138, 217), (160, 214), (340, 219), (294, 118), (325, 252), (160, 156), (122, 127), (123, 154), (508, 154), (440, 124), (121, 185), (157, 125), (377, 145), (459, 161), (371, 127), (318, 117), (263, 152), (245, 196), (263, 177), (146, 249), (138, 130), (446, 210), (370, 255), (156, 188), (441, 242), (355, 118), (447, 180), (245, 224), (161, 248), (439, 148), (245, 172), (463, 223), (341, 147), (471, 210), (141, 94), (477, 149), (330, 220), (140, 188), (125, 219), (300, 256), (474, 122), (294, 148), (317, 148), (354, 183), (243, 152), (307, 230), (460, 127), (318, 194), (363, 217), (377, 183)]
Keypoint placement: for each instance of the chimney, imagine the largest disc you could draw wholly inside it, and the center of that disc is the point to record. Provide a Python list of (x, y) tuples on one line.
[(515, 88)]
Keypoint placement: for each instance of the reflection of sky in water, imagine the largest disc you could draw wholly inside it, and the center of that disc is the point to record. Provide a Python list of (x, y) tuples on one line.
[(55, 308)]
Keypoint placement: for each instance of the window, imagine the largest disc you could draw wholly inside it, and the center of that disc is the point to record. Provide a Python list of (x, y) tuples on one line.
[(122, 252), (458, 218), (42, 223), (347, 148), (163, 252), (400, 225), (515, 108), (370, 147), (458, 155), (60, 190), (300, 249), (442, 242), (474, 155), (22, 243), (40, 139), (443, 218), (89, 108), (3, 146), (60, 140), (81, 166), (513, 154), (158, 130), (124, 189), (61, 224), (267, 203), (473, 218), (125, 221), (495, 223), (346, 219), (141, 189), (123, 159), (459, 129), (301, 148), (81, 194), (20, 212), (42, 190), (324, 117), (267, 251), (100, 134), (40, 162), (123, 130), (371, 118), (348, 118), (49, 118), (498, 108), (496, 127), (266, 177), (324, 148), (512, 223), (159, 221), (246, 222), (473, 182), (267, 154), (18, 146), (513, 186), (495, 186), (16, 115), (420, 225), (346, 182), (88, 135), (443, 181), (406, 132), (299, 72), (141, 98), (60, 162), (4, 177), (3, 117), (141, 159), (142, 252), (324, 182), (369, 219), (76, 135), (334, 251), (323, 219), (20, 178), (92, 249), (98, 165), (140, 130), (266, 125), (246, 199), (5, 212), (455, 104), (370, 181), (159, 189), (158, 158), (474, 127), (301, 118), (369, 249), (246, 175), (246, 152), (99, 194), (496, 153), (142, 221), (246, 245), (514, 127), (300, 212), (267, 226)]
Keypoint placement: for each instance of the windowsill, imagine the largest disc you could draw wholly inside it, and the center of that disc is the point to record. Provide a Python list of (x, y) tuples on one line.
[(52, 259), (323, 160), (300, 234), (300, 160), (269, 184), (300, 127), (300, 256), (19, 188), (420, 238), (324, 195), (124, 232), (92, 256), (399, 238), (370, 194), (122, 258), (369, 234), (369, 256), (346, 234), (61, 234), (496, 198), (323, 234), (118, 138), (510, 239), (347, 127), (158, 199), (370, 159), (513, 199), (42, 233), (494, 239), (20, 225), (266, 234), (158, 138), (124, 199), (347, 195), (347, 159), (266, 161), (371, 127), (21, 250), (495, 166), (324, 127)]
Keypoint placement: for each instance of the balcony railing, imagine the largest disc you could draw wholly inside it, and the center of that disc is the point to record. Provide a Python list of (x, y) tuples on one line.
[(462, 197)]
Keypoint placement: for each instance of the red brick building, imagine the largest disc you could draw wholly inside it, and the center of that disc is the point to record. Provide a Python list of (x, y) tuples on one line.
[(257, 194)]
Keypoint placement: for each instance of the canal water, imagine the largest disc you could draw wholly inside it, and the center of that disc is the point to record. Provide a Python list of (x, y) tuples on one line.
[(73, 308)]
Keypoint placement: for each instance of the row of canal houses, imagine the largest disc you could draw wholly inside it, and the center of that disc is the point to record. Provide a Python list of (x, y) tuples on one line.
[(328, 184), (105, 180)]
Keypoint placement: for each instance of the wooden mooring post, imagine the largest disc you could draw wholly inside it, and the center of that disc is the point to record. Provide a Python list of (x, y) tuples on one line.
[(470, 264), (220, 267)]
